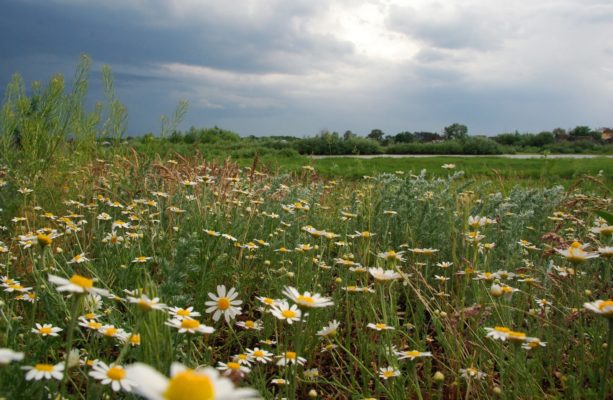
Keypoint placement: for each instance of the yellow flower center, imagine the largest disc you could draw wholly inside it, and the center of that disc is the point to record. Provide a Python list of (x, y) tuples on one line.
[(223, 303), (412, 353), (305, 299), (144, 304), (82, 281), (233, 365), (389, 374), (94, 325), (45, 330), (183, 312), (516, 336), (110, 331), (380, 326), (90, 316), (190, 324), (189, 385), (605, 303), (249, 324), (575, 245), (290, 355), (288, 313), (258, 353), (116, 373), (43, 240), (44, 367), (135, 339), (502, 329)]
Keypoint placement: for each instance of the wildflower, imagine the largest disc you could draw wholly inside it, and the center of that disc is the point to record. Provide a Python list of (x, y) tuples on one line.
[(283, 311), (147, 304), (78, 259), (384, 275), (601, 307), (260, 355), (279, 381), (190, 325), (76, 284), (181, 313), (131, 338), (267, 300), (379, 326), (444, 264), (201, 383), (250, 325), (533, 343), (448, 166), (290, 357), (470, 373), (89, 324), (46, 330), (224, 303), (426, 252), (8, 355), (474, 237), (232, 367), (498, 333), (211, 232), (391, 255), (141, 259), (358, 289), (329, 330), (47, 371), (576, 253), (606, 251), (111, 331), (412, 354), (115, 375), (243, 359), (388, 372), (306, 299)]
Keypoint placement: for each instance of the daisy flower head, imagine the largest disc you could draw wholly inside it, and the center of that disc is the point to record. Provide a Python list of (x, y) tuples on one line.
[(141, 259), (147, 304), (202, 384), (46, 330), (388, 372), (260, 355), (382, 275), (307, 299), (46, 371), (576, 253), (8, 355), (233, 368), (329, 330), (533, 343), (380, 327), (472, 373), (283, 311), (76, 284), (412, 354), (114, 375), (250, 325), (181, 313), (391, 255), (601, 307), (224, 303), (290, 357), (498, 333), (189, 325), (78, 259)]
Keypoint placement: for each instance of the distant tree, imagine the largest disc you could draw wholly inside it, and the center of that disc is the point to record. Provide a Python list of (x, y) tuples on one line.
[(560, 134), (581, 131), (456, 131), (427, 136), (348, 135), (404, 137), (376, 134)]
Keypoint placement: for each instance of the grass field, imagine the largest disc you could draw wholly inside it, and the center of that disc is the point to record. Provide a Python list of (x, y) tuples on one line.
[(303, 279)]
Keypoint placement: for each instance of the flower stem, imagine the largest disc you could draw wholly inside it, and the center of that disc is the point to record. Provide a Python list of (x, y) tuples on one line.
[(607, 357)]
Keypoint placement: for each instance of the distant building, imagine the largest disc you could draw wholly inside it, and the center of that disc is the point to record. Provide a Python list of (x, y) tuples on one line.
[(606, 134)]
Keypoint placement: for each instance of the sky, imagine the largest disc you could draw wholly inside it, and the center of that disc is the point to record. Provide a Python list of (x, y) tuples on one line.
[(296, 67)]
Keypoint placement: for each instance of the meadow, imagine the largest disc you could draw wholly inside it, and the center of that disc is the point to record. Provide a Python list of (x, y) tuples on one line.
[(140, 274)]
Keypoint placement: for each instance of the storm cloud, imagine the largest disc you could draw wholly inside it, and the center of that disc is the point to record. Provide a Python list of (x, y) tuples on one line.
[(274, 67)]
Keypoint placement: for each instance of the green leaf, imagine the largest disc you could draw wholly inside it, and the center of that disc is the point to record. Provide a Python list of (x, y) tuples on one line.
[(606, 216)]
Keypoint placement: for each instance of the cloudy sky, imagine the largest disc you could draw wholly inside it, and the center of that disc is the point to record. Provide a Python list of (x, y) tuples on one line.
[(295, 67)]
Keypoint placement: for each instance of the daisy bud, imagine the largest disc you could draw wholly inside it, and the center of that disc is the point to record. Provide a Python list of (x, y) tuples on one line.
[(338, 280), (588, 292), (313, 394), (438, 377), (290, 275), (443, 314), (497, 391), (496, 290)]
